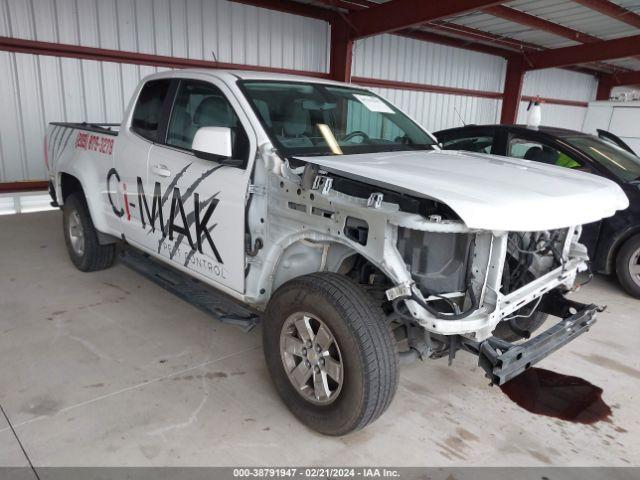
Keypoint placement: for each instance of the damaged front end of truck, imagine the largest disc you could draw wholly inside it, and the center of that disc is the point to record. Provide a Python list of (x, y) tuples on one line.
[(479, 291), (444, 286)]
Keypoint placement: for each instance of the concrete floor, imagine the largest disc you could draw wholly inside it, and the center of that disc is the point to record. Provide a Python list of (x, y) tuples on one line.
[(109, 369)]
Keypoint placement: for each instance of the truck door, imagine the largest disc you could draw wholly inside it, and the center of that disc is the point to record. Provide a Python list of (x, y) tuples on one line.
[(131, 156), (201, 226)]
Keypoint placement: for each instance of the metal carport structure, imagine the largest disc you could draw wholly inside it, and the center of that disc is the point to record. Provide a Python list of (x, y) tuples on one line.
[(597, 37)]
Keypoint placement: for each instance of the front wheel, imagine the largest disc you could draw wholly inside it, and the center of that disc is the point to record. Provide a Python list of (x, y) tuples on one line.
[(81, 237), (330, 353), (628, 266)]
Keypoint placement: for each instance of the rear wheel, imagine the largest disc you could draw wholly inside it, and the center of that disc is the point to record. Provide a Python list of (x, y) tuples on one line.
[(81, 237), (628, 266), (330, 353)]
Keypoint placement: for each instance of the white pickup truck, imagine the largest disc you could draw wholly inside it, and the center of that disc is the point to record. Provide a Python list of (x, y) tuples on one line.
[(336, 217)]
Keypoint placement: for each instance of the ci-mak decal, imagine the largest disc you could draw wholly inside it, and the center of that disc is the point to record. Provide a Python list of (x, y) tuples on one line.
[(189, 221)]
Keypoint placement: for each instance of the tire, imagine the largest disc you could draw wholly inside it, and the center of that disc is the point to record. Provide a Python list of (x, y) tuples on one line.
[(86, 254), (364, 346), (629, 258), (503, 329)]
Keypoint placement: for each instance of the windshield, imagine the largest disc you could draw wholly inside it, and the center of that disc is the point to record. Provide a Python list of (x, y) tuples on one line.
[(315, 119), (621, 163)]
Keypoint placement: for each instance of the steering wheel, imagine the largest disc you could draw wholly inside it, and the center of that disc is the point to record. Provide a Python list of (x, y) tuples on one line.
[(356, 133)]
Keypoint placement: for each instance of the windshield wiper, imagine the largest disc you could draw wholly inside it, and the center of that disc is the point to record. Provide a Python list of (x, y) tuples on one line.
[(316, 154), (406, 148), (370, 149), (311, 154)]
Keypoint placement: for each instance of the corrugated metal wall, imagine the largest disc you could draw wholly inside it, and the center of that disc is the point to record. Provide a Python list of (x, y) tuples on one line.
[(437, 111), (391, 57), (37, 89), (199, 29), (563, 84)]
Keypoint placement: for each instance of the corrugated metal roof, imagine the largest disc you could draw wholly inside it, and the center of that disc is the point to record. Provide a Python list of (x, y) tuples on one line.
[(629, 63), (566, 13), (575, 16), (499, 26), (631, 5)]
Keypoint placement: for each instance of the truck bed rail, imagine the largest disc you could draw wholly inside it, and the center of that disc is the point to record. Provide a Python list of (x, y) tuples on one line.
[(103, 128)]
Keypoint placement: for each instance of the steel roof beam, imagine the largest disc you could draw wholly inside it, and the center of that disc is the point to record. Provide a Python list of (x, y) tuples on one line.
[(618, 79), (508, 43), (482, 36), (607, 82), (400, 14), (455, 42), (347, 4), (612, 10), (537, 23), (580, 54), (296, 8), (33, 47)]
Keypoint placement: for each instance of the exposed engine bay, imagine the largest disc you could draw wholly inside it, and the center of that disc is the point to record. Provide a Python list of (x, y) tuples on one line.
[(442, 285)]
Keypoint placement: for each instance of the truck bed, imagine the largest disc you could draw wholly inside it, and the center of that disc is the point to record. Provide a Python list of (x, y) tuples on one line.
[(65, 141)]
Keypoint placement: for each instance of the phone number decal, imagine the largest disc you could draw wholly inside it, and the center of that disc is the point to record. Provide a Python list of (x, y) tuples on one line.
[(94, 143)]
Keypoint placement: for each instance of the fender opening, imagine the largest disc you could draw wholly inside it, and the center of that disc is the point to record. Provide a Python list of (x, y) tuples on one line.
[(68, 185), (413, 341)]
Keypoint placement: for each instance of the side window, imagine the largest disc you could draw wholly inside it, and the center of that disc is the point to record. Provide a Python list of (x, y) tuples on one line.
[(147, 114), (478, 143), (538, 152), (200, 104)]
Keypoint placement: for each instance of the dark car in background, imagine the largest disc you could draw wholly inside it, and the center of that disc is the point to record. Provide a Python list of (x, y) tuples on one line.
[(613, 243)]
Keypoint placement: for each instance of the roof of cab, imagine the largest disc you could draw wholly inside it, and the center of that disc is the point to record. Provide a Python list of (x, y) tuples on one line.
[(247, 75)]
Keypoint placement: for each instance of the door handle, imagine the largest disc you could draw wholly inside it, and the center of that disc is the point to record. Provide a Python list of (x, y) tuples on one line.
[(161, 170)]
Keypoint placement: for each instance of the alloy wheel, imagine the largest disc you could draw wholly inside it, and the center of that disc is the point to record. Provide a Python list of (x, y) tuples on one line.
[(76, 233), (634, 266), (311, 358)]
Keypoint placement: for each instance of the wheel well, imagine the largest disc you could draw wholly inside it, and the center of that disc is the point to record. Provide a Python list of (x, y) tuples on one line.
[(617, 245), (68, 185), (305, 257)]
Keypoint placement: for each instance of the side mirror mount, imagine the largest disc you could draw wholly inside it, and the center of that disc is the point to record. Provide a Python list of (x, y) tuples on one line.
[(214, 143)]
